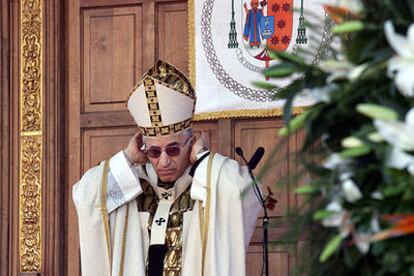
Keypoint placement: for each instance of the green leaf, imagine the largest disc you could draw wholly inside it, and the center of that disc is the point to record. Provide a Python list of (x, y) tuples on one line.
[(355, 152), (375, 111), (348, 27), (294, 125), (411, 7), (322, 214), (330, 248), (264, 85), (281, 70), (287, 57), (308, 189)]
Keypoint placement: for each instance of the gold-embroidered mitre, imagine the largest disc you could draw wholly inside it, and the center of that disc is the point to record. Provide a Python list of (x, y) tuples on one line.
[(163, 101)]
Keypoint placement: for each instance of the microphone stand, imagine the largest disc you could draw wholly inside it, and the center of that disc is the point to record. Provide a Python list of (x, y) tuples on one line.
[(265, 221)]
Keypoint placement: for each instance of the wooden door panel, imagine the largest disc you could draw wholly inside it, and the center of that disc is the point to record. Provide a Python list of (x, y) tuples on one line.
[(100, 144), (172, 35), (251, 134), (112, 56), (281, 258), (210, 131), (296, 170)]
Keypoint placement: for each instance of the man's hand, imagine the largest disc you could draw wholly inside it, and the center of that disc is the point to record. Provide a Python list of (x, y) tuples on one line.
[(133, 152), (200, 143)]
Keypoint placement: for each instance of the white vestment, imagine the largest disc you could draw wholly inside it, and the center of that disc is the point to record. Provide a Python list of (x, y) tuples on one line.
[(114, 237)]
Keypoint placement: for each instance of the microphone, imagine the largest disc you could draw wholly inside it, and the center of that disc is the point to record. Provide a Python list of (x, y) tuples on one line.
[(257, 156), (239, 152), (251, 165)]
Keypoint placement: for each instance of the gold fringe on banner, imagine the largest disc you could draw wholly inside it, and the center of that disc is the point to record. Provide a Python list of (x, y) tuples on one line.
[(245, 113)]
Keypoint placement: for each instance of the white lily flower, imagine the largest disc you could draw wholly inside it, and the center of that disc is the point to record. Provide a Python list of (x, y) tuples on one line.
[(377, 195), (335, 161), (338, 69), (351, 191), (341, 69), (362, 241), (335, 219), (318, 94), (401, 136), (401, 66), (397, 133), (343, 176), (398, 159), (374, 224)]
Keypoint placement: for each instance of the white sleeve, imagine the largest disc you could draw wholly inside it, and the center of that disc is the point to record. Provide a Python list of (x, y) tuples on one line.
[(199, 186), (249, 202), (237, 176), (123, 182)]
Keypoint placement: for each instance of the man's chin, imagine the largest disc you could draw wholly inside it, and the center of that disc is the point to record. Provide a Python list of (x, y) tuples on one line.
[(168, 178)]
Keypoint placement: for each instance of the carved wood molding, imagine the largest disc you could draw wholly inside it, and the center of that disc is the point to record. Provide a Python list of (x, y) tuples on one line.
[(31, 136)]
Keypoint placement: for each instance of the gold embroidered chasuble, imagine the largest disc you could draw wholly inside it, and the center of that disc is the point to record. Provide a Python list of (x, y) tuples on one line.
[(148, 202), (113, 229)]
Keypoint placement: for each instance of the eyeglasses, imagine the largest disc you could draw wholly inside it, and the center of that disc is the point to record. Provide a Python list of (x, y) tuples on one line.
[(172, 151)]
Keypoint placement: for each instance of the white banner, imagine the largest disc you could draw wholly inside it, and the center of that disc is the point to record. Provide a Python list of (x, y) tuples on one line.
[(230, 41)]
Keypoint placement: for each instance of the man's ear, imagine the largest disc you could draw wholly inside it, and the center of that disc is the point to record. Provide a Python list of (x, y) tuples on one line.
[(193, 140)]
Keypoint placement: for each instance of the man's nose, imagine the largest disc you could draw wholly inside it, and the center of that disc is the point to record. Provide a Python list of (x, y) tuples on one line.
[(164, 159)]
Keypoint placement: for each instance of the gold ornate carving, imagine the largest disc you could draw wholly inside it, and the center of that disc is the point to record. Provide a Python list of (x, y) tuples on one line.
[(191, 42), (31, 138), (30, 203)]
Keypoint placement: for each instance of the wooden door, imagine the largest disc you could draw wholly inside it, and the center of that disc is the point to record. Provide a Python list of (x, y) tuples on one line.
[(110, 44)]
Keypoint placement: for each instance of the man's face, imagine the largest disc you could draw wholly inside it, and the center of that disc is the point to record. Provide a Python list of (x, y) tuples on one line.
[(169, 168)]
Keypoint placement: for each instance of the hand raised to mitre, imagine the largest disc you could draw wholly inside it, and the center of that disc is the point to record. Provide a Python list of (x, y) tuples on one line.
[(134, 152), (200, 143)]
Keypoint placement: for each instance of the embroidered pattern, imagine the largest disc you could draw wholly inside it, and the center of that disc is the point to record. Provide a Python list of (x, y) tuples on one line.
[(165, 130), (114, 194), (148, 202)]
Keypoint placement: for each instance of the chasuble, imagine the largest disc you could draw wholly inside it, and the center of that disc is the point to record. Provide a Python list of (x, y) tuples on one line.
[(210, 219)]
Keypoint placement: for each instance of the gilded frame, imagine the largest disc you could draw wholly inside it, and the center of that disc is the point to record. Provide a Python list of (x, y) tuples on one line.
[(31, 136)]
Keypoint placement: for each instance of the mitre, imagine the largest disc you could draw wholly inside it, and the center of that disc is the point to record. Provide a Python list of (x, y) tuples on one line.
[(163, 101)]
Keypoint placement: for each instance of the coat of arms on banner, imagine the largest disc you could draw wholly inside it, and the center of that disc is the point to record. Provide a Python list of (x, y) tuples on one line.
[(233, 40), (266, 26)]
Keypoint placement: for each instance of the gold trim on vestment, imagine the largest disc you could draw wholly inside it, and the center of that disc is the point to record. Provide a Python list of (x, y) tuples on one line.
[(104, 211), (152, 101), (200, 218), (172, 77), (124, 236), (165, 130), (206, 221), (31, 137), (148, 201)]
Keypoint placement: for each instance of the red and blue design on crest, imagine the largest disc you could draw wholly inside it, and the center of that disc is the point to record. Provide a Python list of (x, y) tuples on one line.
[(267, 26)]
